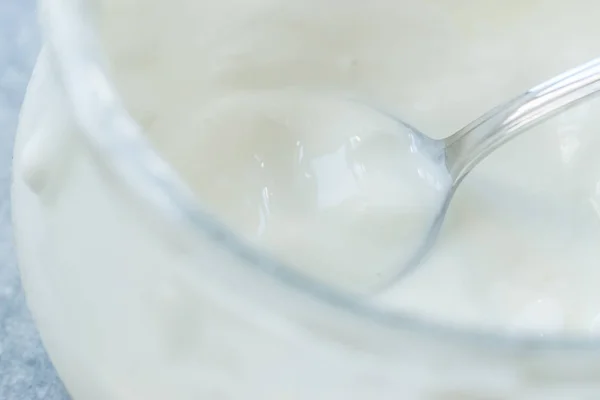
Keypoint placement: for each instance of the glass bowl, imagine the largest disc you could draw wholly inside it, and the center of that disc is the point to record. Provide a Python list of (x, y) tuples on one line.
[(140, 292)]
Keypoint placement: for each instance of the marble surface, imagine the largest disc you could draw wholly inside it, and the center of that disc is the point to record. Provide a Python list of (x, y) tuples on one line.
[(25, 371)]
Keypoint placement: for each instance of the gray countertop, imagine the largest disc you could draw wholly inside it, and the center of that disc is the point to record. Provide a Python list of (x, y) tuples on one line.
[(25, 371)]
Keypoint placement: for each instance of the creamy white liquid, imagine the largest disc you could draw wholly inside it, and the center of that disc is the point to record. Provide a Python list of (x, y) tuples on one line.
[(216, 86)]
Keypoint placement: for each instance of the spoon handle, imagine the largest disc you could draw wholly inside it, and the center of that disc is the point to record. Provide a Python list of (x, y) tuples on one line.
[(467, 147)]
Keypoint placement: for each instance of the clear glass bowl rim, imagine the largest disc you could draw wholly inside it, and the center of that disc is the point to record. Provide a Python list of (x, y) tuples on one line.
[(70, 39)]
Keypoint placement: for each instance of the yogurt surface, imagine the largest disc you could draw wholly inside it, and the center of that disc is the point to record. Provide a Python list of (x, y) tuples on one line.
[(315, 181)]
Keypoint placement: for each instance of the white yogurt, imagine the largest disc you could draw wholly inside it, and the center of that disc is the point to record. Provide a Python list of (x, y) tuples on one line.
[(317, 182), (128, 307)]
